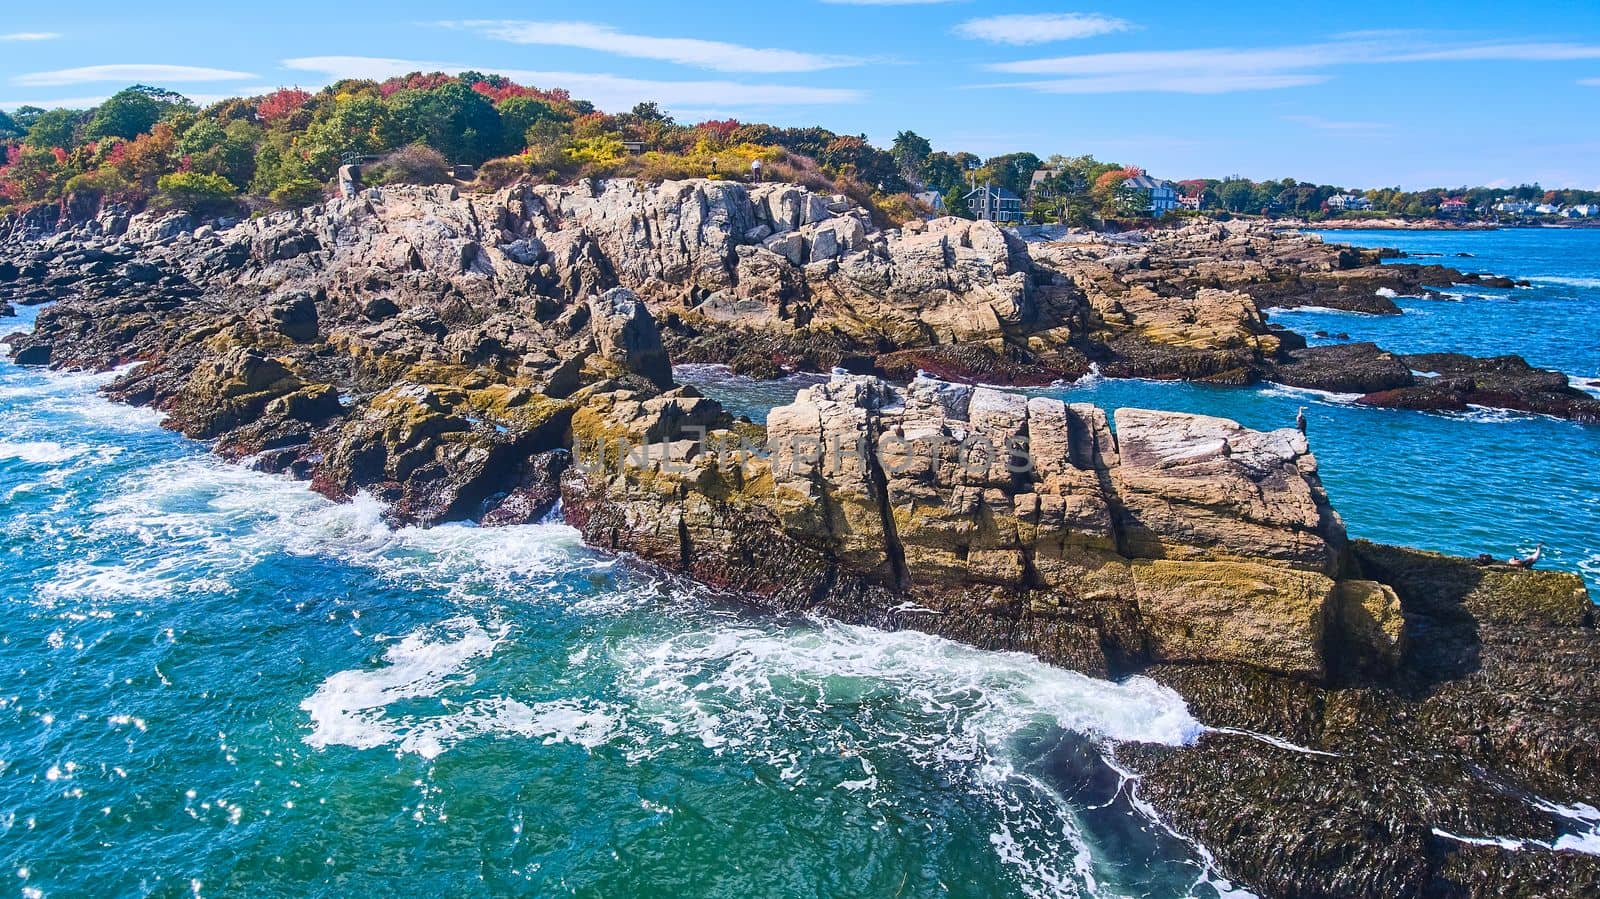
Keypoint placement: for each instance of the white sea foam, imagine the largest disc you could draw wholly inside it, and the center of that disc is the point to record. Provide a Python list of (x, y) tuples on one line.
[(1588, 384), (202, 521), (42, 452), (1567, 281), (1273, 311), (1585, 840), (351, 708), (1309, 393)]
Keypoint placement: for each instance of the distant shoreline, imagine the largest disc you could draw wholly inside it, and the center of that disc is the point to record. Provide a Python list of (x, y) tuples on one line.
[(1400, 224)]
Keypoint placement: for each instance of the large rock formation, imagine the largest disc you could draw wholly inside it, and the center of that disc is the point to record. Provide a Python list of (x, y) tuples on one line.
[(1004, 520)]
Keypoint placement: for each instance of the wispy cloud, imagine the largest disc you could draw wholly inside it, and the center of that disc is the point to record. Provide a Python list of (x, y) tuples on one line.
[(1168, 82), (715, 55), (91, 102), (1337, 126), (167, 74), (1589, 82), (1041, 28), (1227, 69), (30, 36), (607, 91), (55, 103)]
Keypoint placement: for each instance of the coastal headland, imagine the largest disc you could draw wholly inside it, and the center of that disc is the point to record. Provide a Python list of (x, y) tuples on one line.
[(1380, 720)]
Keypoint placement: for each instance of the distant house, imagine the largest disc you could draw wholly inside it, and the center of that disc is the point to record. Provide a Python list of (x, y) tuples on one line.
[(1514, 207), (931, 199), (995, 204), (633, 146), (1349, 203), (1586, 210), (1195, 202), (1040, 176), (1546, 209), (1454, 206), (1162, 197)]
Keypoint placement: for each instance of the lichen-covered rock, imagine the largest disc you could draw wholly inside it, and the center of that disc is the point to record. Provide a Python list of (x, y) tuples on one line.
[(1009, 521)]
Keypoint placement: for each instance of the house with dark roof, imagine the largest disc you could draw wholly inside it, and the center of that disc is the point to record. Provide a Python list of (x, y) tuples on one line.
[(995, 204), (1159, 197)]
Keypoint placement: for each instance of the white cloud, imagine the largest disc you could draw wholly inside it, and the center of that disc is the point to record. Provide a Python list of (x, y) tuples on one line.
[(1168, 82), (1040, 28), (1590, 82), (606, 91), (55, 103), (1220, 70), (30, 36), (128, 73), (716, 55), (1335, 125)]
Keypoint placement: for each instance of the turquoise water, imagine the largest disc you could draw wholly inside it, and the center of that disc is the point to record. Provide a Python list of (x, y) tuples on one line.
[(216, 683), (1555, 322)]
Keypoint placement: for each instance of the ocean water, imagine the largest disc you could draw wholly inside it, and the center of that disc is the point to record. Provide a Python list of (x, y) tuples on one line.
[(215, 683), (1554, 322)]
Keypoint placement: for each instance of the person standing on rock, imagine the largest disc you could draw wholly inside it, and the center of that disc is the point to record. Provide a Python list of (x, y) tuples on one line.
[(755, 171), (713, 165), (1300, 420)]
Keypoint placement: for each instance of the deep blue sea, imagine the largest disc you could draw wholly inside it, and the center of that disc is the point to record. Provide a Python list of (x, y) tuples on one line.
[(214, 682)]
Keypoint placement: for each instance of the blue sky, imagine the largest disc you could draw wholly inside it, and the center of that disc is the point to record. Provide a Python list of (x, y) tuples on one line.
[(1358, 93)]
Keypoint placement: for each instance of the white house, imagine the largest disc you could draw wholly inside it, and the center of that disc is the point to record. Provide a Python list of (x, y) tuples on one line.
[(1514, 207), (1586, 210), (1547, 209), (1349, 202), (1162, 196)]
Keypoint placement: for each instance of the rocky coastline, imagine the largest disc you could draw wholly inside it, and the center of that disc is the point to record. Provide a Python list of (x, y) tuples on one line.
[(1382, 721)]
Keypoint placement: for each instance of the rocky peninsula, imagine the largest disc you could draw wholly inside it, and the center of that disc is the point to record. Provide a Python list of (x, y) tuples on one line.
[(1381, 721)]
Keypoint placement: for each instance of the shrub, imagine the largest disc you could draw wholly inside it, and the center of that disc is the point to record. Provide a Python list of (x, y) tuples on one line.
[(497, 173), (196, 191), (415, 164), (296, 191)]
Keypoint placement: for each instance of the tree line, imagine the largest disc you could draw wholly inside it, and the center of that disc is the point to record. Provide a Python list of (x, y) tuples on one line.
[(145, 145)]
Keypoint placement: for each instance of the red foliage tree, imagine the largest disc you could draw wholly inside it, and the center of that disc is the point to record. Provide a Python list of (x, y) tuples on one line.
[(281, 103), (722, 130)]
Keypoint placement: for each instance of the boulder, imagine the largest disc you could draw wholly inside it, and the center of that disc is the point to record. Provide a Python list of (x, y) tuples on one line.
[(625, 334)]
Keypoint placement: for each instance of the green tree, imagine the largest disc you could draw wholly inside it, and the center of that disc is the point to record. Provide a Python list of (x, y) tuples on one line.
[(9, 128), (910, 151), (133, 111), (517, 115), (55, 128), (25, 116), (451, 118), (1238, 195), (1012, 171), (358, 125), (942, 172)]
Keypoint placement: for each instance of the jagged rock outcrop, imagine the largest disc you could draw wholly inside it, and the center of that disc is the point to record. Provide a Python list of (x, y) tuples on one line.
[(762, 277), (1008, 520)]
